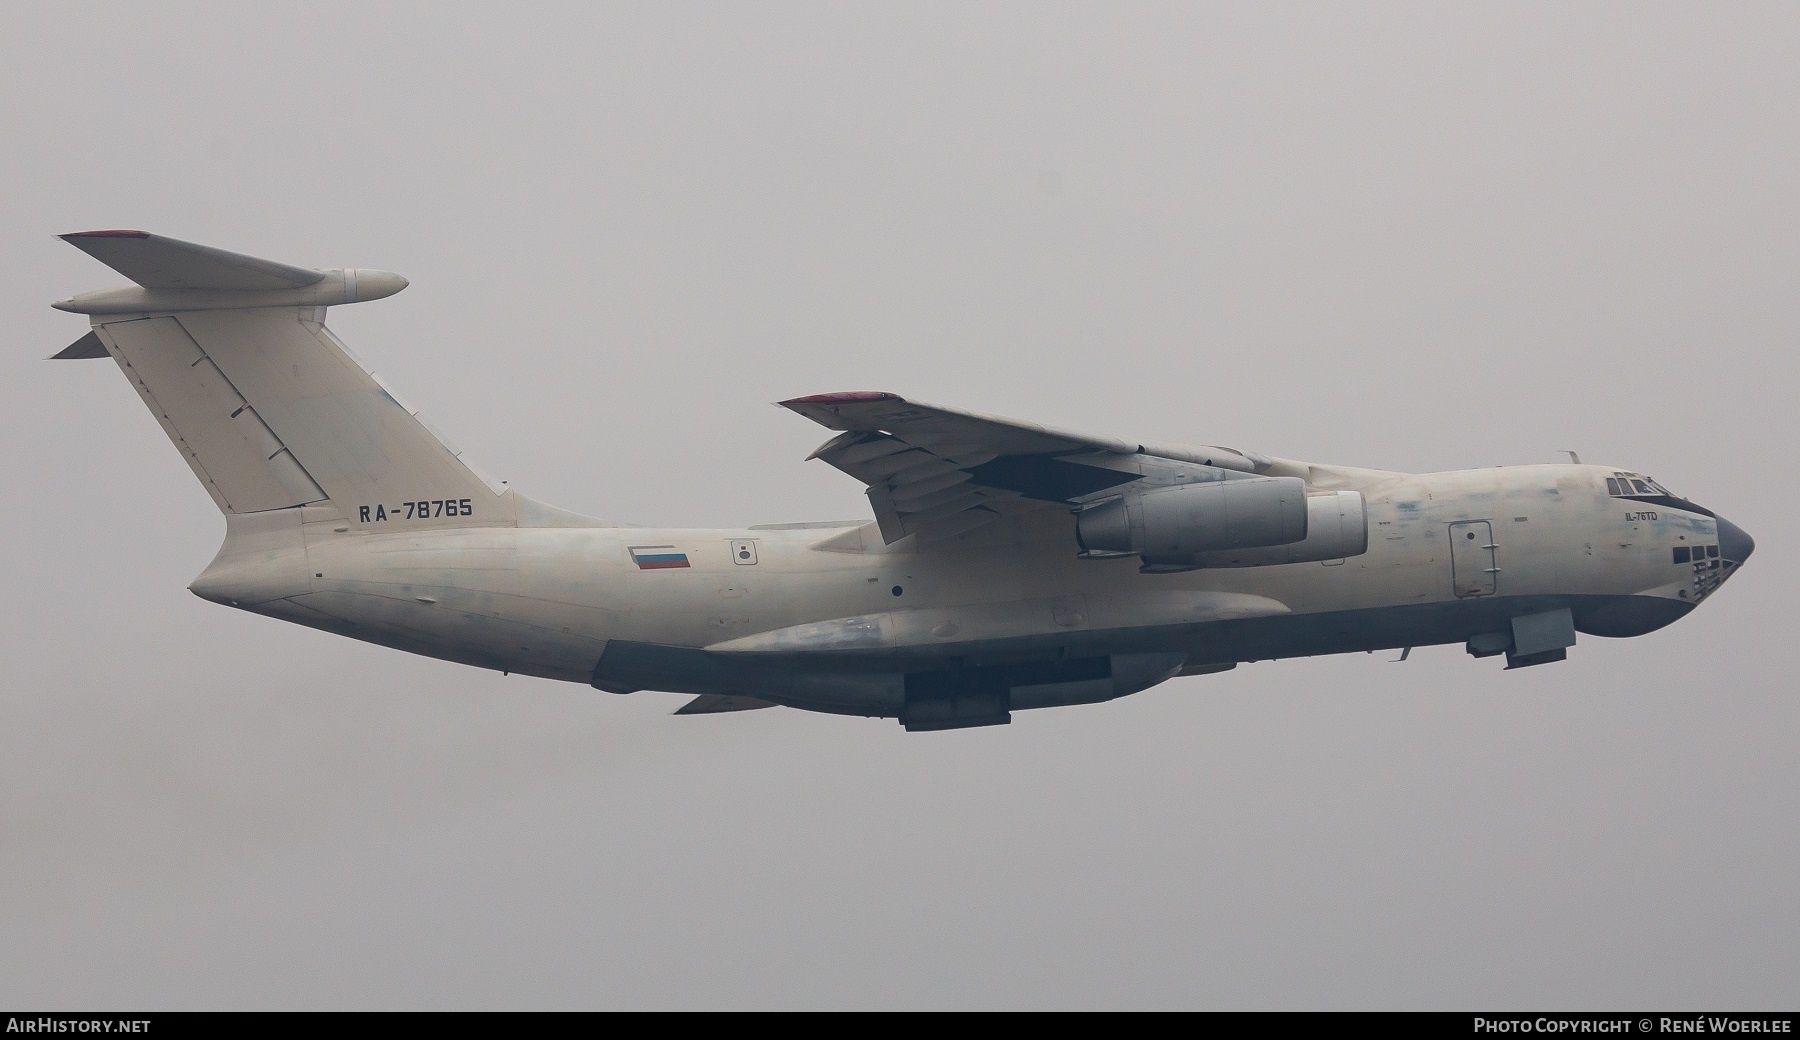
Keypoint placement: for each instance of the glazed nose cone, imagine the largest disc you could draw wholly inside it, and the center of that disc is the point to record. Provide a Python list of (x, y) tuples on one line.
[(1734, 544)]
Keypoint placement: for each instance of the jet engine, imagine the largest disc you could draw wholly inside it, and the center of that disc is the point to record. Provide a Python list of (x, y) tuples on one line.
[(1337, 527), (1254, 522), (1195, 518)]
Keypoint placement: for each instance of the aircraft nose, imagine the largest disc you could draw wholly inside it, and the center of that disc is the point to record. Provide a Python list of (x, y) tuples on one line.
[(1734, 545)]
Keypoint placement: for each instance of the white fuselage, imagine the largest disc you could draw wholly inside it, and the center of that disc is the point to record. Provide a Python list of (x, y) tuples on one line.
[(548, 601), (1010, 565)]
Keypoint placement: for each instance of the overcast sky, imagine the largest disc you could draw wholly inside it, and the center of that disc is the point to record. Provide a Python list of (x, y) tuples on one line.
[(1405, 236)]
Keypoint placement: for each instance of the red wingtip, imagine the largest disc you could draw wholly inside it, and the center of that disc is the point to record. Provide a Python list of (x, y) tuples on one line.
[(847, 397), (106, 234)]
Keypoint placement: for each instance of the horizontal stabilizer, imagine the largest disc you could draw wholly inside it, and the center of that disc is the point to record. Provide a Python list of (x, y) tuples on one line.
[(155, 262), (88, 346), (714, 703), (174, 276)]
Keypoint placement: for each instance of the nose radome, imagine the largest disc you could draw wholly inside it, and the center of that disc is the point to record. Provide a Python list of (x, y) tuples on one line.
[(1734, 544)]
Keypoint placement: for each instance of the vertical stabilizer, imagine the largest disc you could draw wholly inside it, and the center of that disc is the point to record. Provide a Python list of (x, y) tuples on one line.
[(266, 406)]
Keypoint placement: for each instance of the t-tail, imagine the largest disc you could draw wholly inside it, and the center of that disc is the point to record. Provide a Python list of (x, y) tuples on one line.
[(287, 431)]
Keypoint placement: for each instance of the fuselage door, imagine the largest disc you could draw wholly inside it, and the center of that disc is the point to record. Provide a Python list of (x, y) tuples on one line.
[(1474, 565)]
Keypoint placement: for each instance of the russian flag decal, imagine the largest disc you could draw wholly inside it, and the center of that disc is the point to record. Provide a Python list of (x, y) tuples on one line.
[(657, 557)]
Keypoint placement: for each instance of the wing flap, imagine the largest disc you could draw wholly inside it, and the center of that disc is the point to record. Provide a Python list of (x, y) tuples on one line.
[(922, 485)]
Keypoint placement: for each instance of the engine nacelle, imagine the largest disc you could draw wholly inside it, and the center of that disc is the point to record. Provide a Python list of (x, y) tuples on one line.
[(1337, 527), (1187, 519)]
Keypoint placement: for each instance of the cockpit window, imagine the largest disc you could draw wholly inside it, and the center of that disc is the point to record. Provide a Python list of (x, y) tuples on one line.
[(1640, 488), (1624, 485)]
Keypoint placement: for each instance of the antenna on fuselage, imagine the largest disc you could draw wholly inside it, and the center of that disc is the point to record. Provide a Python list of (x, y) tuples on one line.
[(1576, 459)]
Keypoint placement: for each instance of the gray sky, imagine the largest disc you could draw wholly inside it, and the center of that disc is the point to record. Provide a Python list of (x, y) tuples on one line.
[(1407, 236)]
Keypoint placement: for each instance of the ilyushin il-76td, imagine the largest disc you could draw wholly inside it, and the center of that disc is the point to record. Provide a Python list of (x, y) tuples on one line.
[(1007, 565)]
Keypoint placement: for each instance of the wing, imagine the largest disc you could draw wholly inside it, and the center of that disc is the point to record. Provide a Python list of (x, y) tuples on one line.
[(934, 471)]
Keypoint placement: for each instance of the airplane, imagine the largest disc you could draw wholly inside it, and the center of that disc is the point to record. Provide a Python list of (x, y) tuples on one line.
[(1008, 566)]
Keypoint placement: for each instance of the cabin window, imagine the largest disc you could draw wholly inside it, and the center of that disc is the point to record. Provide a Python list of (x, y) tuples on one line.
[(1681, 554)]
